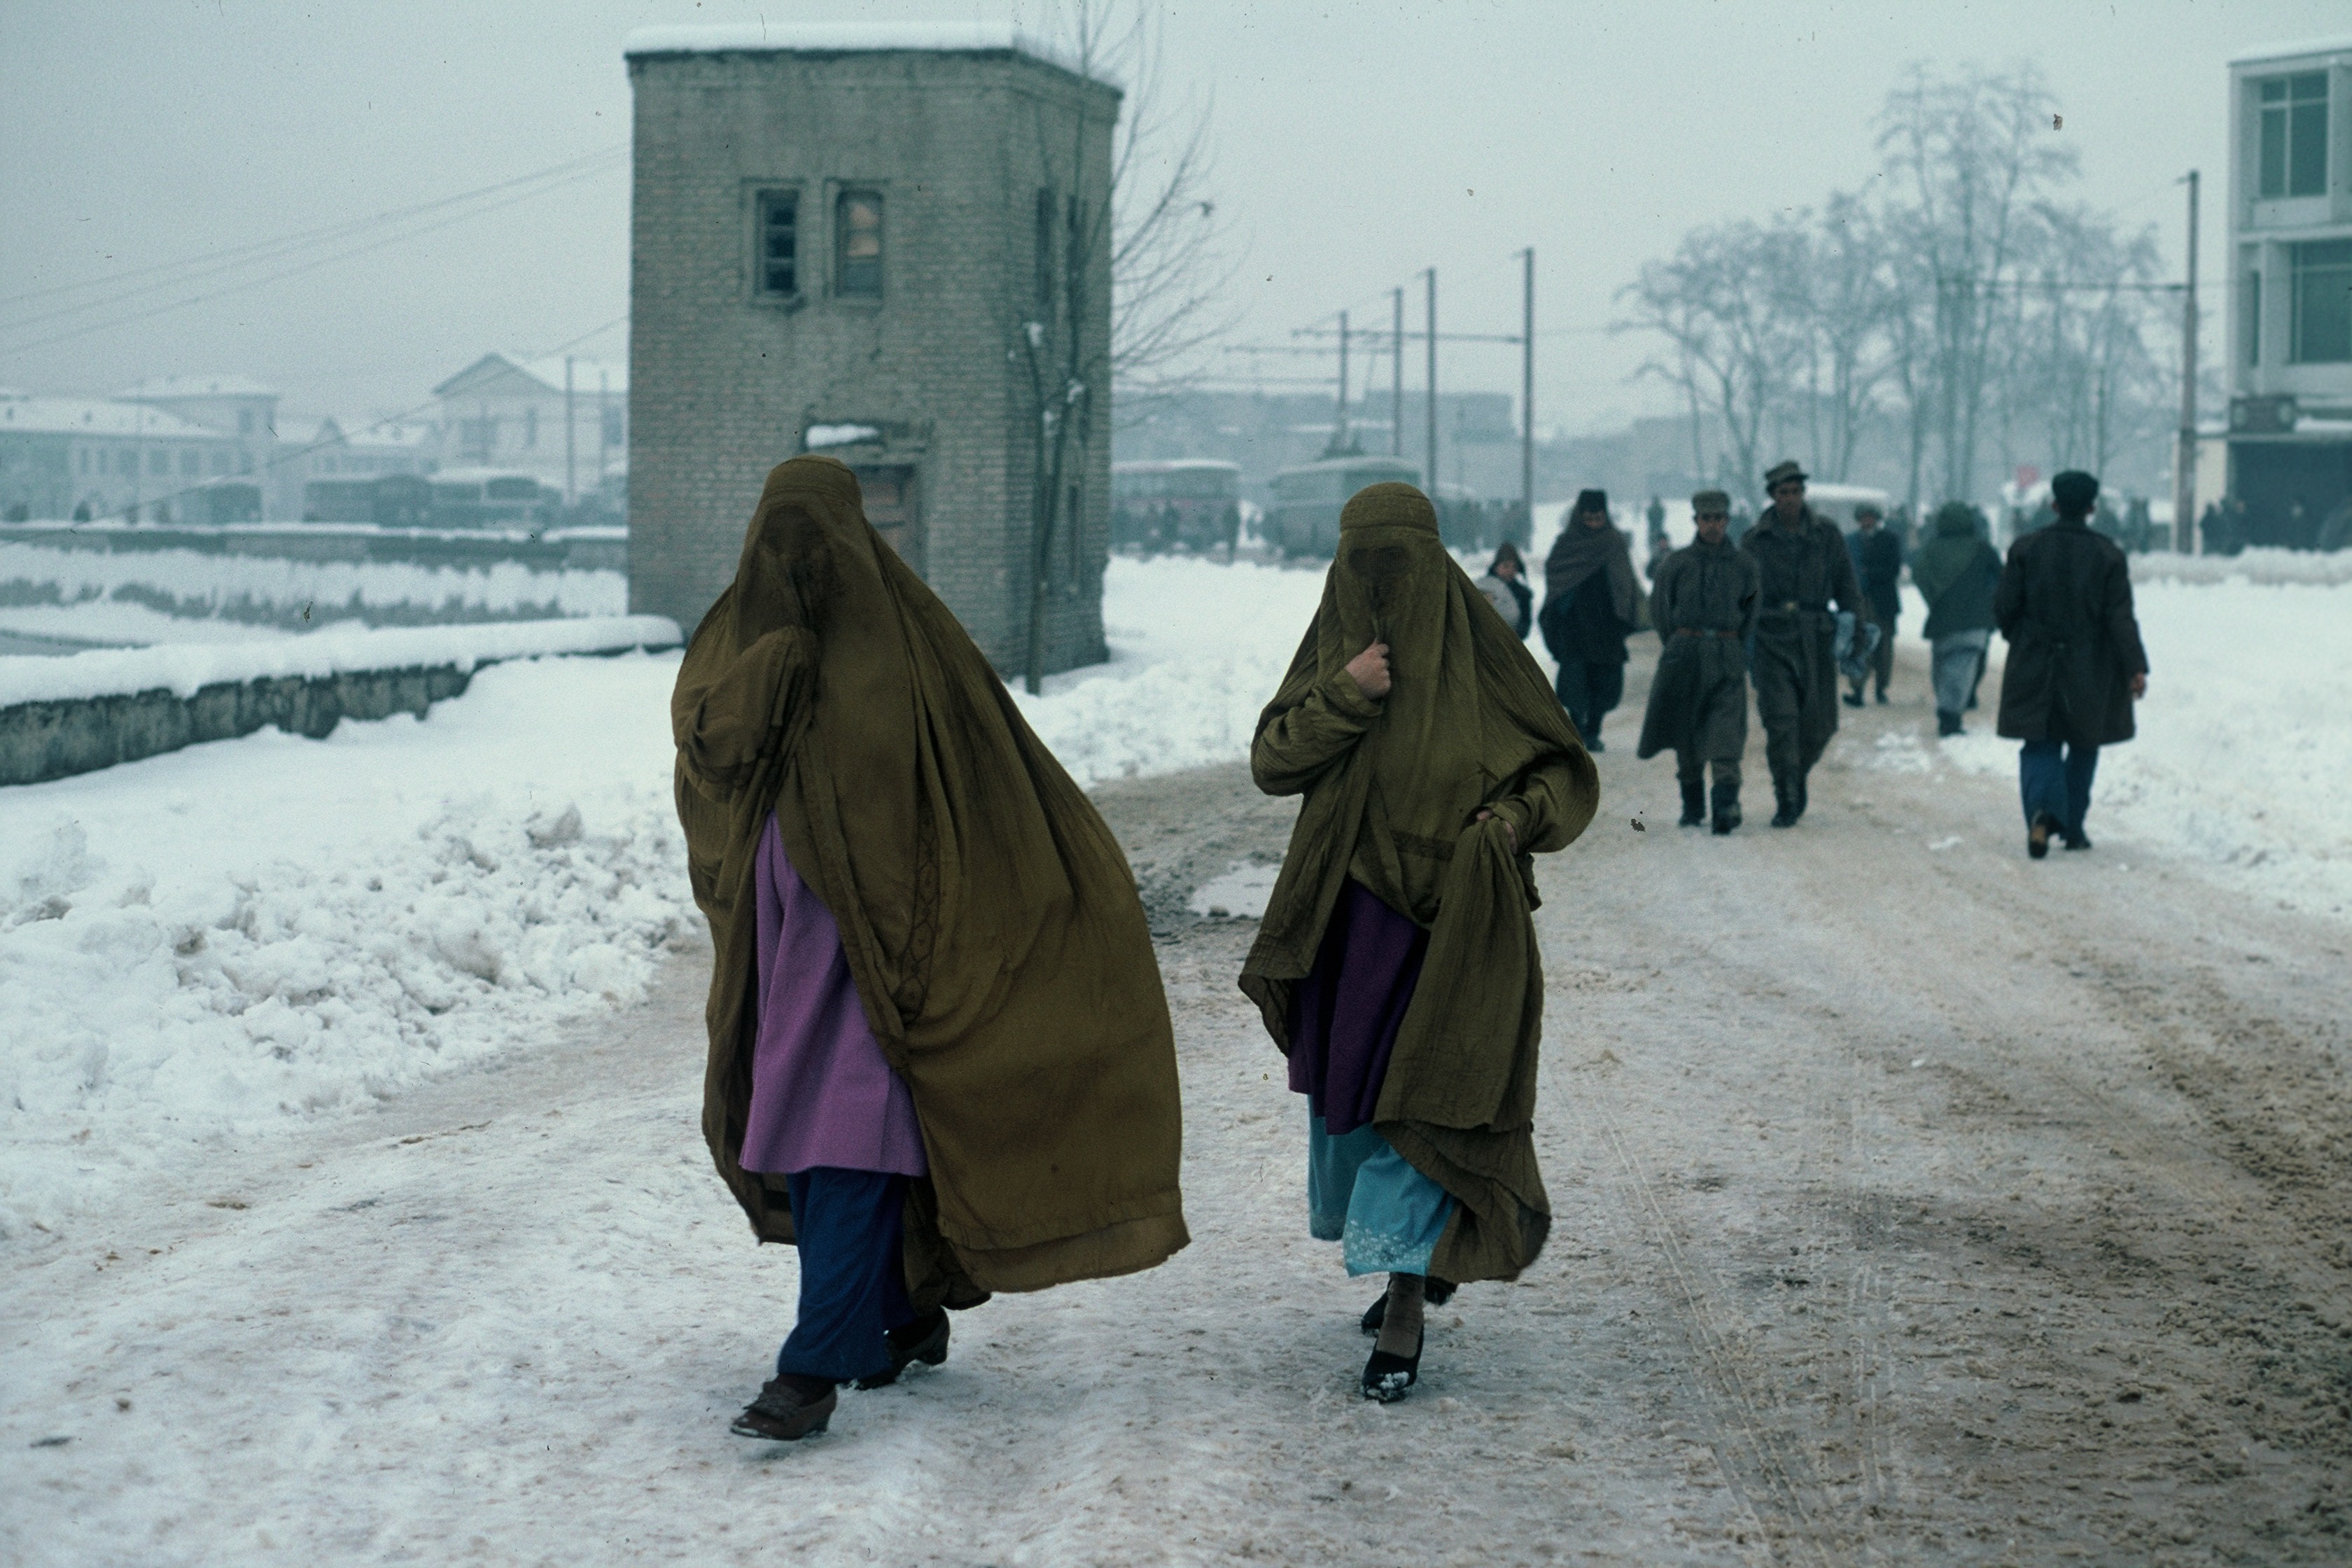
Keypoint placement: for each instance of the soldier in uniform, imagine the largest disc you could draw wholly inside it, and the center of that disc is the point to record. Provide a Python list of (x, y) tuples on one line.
[(1704, 603), (1804, 565)]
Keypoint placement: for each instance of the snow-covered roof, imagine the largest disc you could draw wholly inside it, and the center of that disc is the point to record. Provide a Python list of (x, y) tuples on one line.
[(94, 416), (297, 430), (856, 37), (2340, 44), (547, 372), (389, 438), (163, 387)]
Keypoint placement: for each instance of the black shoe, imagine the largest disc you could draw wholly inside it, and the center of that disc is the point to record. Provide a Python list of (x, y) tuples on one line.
[(1786, 817), (790, 1407), (1726, 807), (1882, 699), (1594, 745), (925, 1340), (1435, 1292), (1947, 723), (1693, 804), (1800, 794), (1389, 1378), (2078, 841), (2037, 838), (1853, 699)]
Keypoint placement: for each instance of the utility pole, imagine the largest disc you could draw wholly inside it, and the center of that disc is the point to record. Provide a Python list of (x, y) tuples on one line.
[(2184, 473), (1339, 430), (1528, 395), (571, 477), (1431, 410), (1396, 372)]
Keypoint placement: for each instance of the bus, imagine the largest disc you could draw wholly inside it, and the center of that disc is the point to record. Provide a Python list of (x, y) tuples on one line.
[(1305, 518), (1187, 503), (485, 498)]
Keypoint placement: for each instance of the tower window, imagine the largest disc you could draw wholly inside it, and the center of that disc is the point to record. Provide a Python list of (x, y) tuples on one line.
[(858, 243), (777, 267)]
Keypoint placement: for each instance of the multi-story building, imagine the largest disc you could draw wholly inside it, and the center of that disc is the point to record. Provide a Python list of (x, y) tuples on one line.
[(875, 241), (510, 414), (99, 459), (2290, 323)]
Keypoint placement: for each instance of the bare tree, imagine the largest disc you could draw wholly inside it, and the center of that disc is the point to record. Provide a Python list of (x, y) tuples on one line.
[(1139, 227), (1970, 156)]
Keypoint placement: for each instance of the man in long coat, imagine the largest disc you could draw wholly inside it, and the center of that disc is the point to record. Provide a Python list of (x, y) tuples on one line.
[(2076, 664), (1804, 565), (1877, 552), (1704, 602)]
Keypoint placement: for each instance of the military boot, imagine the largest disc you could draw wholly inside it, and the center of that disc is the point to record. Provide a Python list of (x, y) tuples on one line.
[(1726, 807), (1694, 802), (1784, 800)]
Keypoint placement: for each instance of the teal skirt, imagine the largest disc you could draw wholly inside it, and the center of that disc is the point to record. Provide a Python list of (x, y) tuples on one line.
[(1386, 1216)]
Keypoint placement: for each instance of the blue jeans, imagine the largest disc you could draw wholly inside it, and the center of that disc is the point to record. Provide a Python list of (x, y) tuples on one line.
[(853, 1272), (2061, 787)]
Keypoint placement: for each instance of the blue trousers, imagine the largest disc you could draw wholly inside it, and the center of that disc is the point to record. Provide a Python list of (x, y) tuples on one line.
[(1362, 1194), (2061, 786), (853, 1272)]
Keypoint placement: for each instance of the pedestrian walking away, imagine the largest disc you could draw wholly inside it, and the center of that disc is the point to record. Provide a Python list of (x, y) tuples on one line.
[(1803, 565), (1877, 552), (1955, 572), (1396, 966), (940, 1058), (1506, 587), (2075, 664), (1590, 603), (1704, 604)]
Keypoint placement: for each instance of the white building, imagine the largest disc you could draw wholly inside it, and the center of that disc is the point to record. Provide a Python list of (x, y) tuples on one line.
[(510, 414), (2290, 321), (100, 458)]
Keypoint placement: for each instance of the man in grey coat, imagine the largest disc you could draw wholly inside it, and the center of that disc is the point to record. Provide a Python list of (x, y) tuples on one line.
[(2076, 664), (1803, 562), (1704, 603)]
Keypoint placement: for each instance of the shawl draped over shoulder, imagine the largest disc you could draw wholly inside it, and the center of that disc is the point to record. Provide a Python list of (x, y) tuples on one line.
[(1393, 790), (990, 921)]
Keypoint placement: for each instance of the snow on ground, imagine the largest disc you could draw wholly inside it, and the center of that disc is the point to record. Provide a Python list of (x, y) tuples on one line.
[(198, 946), (181, 595)]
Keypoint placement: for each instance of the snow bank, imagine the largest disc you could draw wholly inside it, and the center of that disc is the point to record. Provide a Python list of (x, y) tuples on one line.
[(186, 669), (2243, 743), (199, 946), (169, 596), (2252, 566)]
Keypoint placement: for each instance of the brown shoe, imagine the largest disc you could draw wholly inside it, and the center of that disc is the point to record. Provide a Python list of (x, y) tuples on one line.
[(2037, 838), (787, 1410)]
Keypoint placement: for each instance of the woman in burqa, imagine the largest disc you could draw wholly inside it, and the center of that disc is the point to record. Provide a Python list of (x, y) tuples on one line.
[(941, 1058), (1590, 602), (1396, 966)]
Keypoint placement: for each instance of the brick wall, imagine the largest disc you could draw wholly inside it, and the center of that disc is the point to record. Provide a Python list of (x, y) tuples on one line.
[(723, 384)]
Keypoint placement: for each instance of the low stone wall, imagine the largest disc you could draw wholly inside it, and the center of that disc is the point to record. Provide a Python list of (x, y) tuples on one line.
[(43, 741)]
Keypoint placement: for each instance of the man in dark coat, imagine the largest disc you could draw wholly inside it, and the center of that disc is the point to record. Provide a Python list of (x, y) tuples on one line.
[(1803, 563), (2076, 661), (1955, 572), (1589, 604), (1877, 552), (1704, 603)]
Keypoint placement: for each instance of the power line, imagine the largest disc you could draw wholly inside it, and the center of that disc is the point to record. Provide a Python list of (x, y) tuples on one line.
[(294, 271), (257, 249)]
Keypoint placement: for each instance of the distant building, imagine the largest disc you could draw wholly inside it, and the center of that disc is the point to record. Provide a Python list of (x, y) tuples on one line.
[(234, 407), (508, 413), (320, 452), (842, 237), (2290, 321), (102, 458)]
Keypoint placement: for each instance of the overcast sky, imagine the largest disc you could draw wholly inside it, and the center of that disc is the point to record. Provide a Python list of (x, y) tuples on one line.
[(1357, 143)]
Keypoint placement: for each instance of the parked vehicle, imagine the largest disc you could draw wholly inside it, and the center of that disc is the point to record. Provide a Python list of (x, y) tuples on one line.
[(1304, 520), (226, 502), (1187, 503), (489, 497)]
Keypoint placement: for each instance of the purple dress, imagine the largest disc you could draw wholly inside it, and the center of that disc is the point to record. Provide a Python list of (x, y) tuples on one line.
[(821, 1091), (1345, 1015)]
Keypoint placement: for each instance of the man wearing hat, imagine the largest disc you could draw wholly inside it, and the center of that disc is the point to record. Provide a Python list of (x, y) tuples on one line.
[(1804, 565), (1877, 552), (1704, 601), (2076, 661)]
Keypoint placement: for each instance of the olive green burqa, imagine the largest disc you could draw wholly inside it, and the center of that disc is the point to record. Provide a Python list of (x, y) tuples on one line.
[(1394, 787), (991, 923)]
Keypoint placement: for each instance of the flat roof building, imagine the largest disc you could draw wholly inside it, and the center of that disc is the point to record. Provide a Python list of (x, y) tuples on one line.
[(878, 241)]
